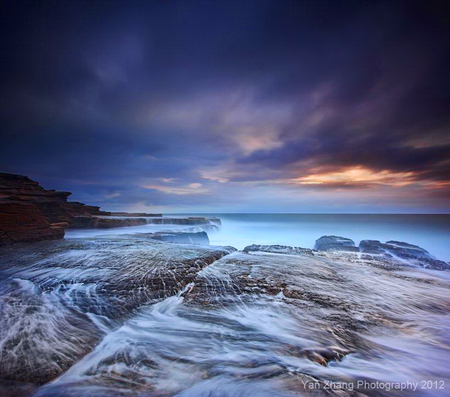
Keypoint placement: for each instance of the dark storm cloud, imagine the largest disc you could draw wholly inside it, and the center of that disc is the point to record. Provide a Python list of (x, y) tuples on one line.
[(103, 98)]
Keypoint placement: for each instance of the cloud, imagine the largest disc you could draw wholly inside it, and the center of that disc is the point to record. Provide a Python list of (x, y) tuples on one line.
[(187, 190), (268, 104)]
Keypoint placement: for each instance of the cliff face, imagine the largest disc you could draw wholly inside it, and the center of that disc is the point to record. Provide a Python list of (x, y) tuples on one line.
[(53, 204), (28, 212), (25, 222)]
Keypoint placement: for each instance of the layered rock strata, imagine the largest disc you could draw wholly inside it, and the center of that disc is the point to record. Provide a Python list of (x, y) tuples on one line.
[(28, 212)]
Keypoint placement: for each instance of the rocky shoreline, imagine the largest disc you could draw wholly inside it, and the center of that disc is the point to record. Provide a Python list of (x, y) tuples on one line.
[(89, 290), (28, 212)]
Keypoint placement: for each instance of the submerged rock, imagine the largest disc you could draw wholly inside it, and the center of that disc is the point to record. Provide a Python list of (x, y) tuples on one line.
[(324, 355), (184, 238), (336, 243), (278, 249)]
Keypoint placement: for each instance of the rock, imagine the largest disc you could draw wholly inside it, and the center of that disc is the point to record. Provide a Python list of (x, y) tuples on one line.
[(278, 249), (75, 208), (83, 222), (48, 212), (137, 214), (183, 221), (50, 297), (53, 204), (59, 212), (335, 243), (277, 315), (402, 252), (64, 225), (184, 238), (25, 222), (324, 355)]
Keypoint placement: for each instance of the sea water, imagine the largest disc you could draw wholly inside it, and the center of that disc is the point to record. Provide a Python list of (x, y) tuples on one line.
[(431, 232)]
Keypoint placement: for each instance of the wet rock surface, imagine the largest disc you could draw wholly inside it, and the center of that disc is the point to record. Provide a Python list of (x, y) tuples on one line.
[(58, 297), (336, 243), (183, 237), (350, 317), (270, 324), (278, 249), (401, 252), (128, 315), (392, 254)]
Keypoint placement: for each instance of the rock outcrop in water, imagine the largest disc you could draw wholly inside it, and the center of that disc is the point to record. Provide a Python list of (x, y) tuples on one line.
[(52, 203), (389, 254), (336, 243), (399, 251)]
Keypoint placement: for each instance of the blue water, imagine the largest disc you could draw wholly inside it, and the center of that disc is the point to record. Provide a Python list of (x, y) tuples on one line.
[(431, 232)]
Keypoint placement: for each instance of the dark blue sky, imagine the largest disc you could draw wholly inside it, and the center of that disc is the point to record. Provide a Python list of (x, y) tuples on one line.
[(230, 106)]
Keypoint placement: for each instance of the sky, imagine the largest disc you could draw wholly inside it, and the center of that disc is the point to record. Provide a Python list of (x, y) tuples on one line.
[(230, 106)]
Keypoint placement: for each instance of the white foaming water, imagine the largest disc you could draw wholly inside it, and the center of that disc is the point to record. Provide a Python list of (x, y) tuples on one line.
[(214, 338)]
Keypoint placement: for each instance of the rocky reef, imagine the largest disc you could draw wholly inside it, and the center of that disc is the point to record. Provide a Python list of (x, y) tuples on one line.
[(133, 315)]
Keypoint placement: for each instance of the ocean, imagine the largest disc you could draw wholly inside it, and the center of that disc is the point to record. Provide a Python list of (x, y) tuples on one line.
[(431, 232)]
